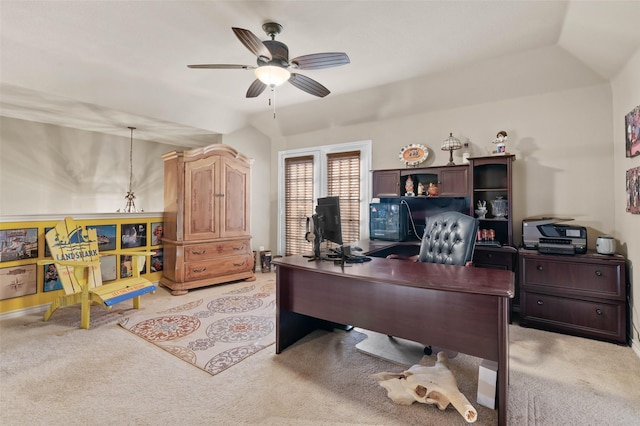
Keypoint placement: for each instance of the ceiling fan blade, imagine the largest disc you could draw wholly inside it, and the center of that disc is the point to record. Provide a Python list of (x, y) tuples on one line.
[(253, 43), (256, 88), (317, 61), (309, 85), (223, 66)]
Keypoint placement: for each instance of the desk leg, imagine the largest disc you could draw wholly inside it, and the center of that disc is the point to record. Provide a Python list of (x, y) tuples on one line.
[(291, 326), (503, 360)]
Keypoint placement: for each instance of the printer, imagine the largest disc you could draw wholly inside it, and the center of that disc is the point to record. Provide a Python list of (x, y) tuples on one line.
[(547, 235)]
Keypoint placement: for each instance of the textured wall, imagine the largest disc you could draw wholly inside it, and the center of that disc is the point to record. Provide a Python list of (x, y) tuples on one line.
[(562, 141), (626, 96)]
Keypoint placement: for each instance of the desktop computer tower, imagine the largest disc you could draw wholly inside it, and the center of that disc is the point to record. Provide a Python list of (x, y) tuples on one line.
[(389, 221)]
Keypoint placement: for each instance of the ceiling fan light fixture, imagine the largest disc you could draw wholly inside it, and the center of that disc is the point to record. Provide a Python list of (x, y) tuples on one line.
[(272, 76)]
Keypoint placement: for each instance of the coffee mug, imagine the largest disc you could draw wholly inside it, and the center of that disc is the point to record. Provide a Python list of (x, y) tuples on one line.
[(605, 245)]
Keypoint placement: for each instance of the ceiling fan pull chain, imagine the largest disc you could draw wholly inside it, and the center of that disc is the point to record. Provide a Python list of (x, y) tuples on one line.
[(273, 90)]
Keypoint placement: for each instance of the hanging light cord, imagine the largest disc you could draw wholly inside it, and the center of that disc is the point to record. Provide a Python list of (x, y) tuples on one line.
[(131, 159), (273, 94)]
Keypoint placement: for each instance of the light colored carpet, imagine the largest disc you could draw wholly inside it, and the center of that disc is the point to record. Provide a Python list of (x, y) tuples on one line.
[(214, 333), (56, 374), (403, 352)]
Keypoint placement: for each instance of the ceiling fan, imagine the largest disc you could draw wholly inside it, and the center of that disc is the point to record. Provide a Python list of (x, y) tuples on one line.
[(273, 63)]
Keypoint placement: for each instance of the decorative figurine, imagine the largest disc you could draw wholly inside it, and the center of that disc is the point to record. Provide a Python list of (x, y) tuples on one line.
[(433, 190), (481, 211), (421, 190), (501, 141), (408, 187)]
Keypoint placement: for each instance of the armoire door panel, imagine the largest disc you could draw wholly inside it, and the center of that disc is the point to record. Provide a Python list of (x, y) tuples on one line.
[(234, 204), (200, 193)]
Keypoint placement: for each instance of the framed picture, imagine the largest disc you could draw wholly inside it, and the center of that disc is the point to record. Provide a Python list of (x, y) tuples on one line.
[(633, 190), (106, 236), (18, 244), (157, 229), (133, 235), (632, 132), (17, 281), (51, 280), (126, 267), (47, 252), (157, 261), (108, 268)]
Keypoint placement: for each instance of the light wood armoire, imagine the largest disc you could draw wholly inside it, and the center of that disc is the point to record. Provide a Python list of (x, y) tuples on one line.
[(206, 218)]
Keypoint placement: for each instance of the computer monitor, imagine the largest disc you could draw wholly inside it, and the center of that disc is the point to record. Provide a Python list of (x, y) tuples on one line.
[(328, 217)]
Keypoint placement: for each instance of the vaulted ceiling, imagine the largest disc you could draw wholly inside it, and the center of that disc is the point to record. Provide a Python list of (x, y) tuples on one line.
[(106, 65)]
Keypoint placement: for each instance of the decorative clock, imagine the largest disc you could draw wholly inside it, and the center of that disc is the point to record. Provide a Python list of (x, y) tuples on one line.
[(413, 154)]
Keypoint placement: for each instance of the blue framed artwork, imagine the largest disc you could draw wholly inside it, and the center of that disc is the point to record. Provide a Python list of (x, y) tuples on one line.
[(133, 235), (51, 279), (106, 236)]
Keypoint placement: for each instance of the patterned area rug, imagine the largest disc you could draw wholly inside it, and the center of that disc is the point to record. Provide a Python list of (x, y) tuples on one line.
[(214, 334)]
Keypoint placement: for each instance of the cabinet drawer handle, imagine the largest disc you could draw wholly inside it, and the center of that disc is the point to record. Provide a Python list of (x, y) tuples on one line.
[(599, 311), (239, 248), (489, 255), (540, 302), (539, 267), (203, 251), (199, 270), (238, 264), (599, 273)]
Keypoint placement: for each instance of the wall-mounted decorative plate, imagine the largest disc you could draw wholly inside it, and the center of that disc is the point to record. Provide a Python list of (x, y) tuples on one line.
[(413, 154)]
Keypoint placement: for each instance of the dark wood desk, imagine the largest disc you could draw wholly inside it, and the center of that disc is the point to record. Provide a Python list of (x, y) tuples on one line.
[(459, 308)]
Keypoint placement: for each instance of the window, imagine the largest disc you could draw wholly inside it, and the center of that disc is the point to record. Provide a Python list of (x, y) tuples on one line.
[(309, 173), (298, 190), (343, 180)]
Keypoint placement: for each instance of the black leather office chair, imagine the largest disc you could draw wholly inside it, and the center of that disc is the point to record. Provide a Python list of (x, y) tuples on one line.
[(449, 238)]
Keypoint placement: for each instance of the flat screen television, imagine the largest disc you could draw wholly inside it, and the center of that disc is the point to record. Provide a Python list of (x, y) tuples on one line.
[(328, 219)]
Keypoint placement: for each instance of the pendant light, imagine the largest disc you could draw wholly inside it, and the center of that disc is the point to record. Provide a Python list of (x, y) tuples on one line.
[(130, 207)]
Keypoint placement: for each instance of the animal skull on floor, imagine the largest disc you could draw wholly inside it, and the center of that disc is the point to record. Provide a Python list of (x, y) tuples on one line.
[(429, 385)]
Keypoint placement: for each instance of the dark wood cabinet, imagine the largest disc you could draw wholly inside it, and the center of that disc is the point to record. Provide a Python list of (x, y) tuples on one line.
[(583, 294), (505, 257), (452, 181), (495, 257), (386, 183), (491, 180)]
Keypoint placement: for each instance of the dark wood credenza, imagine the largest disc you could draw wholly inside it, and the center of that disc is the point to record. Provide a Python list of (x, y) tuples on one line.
[(583, 294)]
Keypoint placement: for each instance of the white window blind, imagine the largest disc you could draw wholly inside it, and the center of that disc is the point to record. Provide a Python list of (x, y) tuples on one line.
[(299, 201), (343, 180)]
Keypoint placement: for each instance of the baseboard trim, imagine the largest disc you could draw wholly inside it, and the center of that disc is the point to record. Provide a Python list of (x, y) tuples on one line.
[(636, 347), (24, 312)]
